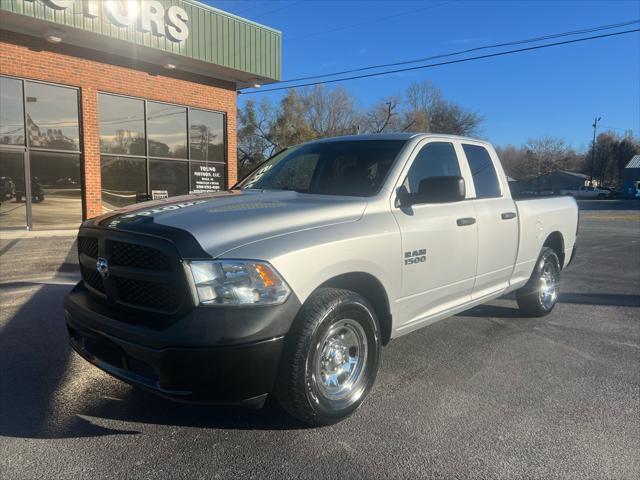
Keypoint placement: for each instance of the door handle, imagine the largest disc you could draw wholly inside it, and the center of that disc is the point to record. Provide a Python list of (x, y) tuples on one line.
[(508, 215), (463, 222)]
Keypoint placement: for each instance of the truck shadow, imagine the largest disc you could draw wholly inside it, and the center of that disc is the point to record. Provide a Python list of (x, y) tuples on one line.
[(46, 391), (601, 299)]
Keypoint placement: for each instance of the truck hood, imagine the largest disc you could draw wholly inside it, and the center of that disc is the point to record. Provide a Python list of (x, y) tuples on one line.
[(226, 220)]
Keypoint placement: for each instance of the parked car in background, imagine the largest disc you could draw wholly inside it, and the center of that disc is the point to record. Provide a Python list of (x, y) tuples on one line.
[(37, 193), (587, 192), (613, 192), (7, 189)]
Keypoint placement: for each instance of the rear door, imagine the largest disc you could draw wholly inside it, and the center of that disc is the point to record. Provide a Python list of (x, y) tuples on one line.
[(497, 221), (439, 241)]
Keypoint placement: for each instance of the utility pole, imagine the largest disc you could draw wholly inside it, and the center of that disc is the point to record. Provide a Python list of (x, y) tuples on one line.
[(593, 149)]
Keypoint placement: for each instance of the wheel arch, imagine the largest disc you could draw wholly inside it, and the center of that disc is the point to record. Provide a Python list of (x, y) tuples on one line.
[(555, 241), (369, 287)]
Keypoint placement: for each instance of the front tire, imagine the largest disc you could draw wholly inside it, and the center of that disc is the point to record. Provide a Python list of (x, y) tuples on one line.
[(331, 358), (540, 294)]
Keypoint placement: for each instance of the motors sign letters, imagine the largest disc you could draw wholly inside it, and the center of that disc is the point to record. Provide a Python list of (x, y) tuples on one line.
[(146, 15)]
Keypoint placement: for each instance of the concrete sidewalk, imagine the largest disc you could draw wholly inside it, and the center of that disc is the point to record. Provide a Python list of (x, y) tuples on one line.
[(14, 234), (39, 259)]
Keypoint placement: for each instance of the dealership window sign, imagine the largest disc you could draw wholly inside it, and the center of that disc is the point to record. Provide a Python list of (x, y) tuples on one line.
[(146, 15), (207, 178)]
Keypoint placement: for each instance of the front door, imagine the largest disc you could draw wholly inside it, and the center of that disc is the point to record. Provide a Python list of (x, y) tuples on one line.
[(439, 241)]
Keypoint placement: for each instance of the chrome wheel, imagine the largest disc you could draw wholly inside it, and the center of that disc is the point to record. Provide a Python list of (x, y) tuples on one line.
[(338, 363), (548, 289)]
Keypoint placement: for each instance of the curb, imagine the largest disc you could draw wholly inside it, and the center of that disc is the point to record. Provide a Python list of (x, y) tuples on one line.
[(25, 234)]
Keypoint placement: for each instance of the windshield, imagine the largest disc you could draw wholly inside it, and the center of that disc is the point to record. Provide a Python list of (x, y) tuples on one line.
[(350, 167)]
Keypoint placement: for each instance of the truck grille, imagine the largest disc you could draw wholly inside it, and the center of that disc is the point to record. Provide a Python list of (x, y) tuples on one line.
[(138, 256), (147, 294), (88, 246), (144, 273), (92, 278)]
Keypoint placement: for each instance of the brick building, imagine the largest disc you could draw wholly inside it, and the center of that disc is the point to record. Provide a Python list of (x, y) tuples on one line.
[(104, 104)]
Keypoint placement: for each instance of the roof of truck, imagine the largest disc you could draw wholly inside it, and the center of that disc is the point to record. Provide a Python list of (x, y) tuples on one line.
[(396, 136)]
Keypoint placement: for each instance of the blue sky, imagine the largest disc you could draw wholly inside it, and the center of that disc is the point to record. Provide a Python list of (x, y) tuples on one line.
[(555, 91)]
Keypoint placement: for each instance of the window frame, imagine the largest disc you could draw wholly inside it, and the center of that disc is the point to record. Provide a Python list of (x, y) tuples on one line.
[(493, 160), (419, 151), (462, 163), (224, 163), (26, 148)]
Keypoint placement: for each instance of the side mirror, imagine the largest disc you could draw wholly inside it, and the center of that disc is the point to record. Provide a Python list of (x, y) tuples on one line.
[(434, 190)]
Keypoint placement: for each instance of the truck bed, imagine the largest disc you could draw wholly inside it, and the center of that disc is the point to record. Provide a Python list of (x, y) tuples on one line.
[(539, 218)]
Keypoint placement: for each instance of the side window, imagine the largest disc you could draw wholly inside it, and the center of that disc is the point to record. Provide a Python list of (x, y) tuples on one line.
[(484, 174), (436, 159)]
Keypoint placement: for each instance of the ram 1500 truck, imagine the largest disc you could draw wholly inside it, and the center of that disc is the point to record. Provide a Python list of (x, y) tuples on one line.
[(290, 283)]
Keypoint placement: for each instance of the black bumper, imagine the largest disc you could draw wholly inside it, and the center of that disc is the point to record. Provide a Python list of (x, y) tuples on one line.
[(231, 359)]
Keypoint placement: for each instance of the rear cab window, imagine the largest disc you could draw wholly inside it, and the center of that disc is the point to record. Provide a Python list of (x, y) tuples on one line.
[(483, 171)]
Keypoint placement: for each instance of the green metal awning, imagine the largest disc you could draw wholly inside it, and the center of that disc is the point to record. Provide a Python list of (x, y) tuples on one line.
[(217, 44)]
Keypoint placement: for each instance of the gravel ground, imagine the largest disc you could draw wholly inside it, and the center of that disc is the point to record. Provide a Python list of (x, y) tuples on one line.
[(484, 394)]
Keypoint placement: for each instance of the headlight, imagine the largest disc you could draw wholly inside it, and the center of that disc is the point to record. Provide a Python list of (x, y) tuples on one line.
[(238, 282)]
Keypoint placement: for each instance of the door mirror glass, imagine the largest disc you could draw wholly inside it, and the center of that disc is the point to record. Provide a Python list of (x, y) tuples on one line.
[(434, 190)]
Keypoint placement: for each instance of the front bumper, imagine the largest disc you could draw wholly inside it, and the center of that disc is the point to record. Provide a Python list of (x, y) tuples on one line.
[(217, 364)]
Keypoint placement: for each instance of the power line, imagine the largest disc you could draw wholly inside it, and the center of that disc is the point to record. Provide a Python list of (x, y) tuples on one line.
[(292, 4), (251, 7), (617, 128), (450, 62), (469, 50), (367, 22)]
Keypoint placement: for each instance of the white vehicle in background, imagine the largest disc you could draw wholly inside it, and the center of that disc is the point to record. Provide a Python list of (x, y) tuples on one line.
[(290, 283), (587, 192)]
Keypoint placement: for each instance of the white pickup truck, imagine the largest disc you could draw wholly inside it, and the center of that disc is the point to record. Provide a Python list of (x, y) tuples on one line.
[(587, 192), (290, 283)]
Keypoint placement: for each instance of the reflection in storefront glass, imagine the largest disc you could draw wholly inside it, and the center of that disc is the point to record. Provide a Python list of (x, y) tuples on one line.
[(13, 210), (11, 114), (168, 176), (121, 122), (56, 194), (124, 181), (167, 130), (52, 116), (206, 135)]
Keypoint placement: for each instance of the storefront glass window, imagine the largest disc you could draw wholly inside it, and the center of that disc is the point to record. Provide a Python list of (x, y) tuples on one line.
[(124, 181), (50, 123), (164, 163), (12, 116), (52, 116), (168, 176), (13, 210), (121, 122), (206, 135), (167, 130), (56, 193)]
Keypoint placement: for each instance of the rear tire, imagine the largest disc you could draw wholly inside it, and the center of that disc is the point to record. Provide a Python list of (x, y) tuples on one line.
[(540, 294), (331, 357)]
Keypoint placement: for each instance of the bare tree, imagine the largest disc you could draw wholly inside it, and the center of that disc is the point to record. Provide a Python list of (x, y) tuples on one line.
[(329, 112), (304, 115), (255, 140), (547, 154), (383, 117)]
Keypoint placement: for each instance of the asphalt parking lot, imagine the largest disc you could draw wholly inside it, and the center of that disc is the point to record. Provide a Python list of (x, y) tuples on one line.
[(484, 394)]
